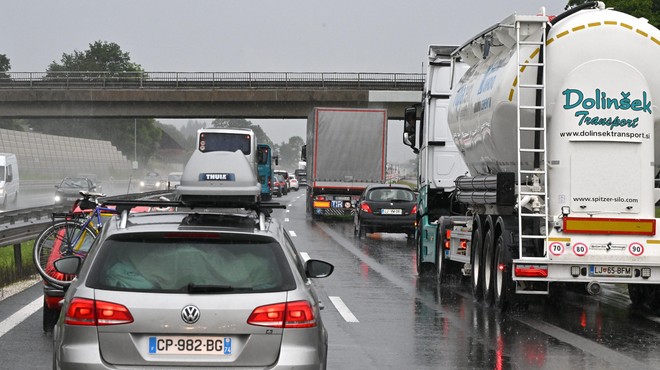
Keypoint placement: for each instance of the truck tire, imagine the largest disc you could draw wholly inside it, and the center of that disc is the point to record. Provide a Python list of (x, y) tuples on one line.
[(488, 263), (441, 263), (476, 279), (636, 294), (503, 285)]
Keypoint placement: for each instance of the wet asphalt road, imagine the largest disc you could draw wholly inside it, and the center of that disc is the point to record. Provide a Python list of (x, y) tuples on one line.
[(393, 319)]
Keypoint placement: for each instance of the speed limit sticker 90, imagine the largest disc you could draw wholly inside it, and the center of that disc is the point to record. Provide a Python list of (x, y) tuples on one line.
[(580, 249), (636, 249), (557, 248)]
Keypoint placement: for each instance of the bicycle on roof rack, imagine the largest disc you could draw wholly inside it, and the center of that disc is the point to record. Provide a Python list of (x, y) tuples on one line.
[(70, 234)]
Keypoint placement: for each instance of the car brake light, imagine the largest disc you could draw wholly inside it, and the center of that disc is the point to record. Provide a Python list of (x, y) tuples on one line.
[(89, 312), (414, 210), (320, 197), (365, 207), (298, 314)]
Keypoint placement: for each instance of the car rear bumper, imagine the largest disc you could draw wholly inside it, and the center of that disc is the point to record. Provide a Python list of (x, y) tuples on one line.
[(388, 224)]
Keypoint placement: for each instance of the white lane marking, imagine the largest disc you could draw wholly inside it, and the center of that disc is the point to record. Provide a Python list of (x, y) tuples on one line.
[(286, 219), (304, 256), (287, 211), (289, 205), (292, 233), (343, 309), (20, 315)]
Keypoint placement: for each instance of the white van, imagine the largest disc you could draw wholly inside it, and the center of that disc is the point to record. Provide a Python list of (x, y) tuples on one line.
[(8, 178)]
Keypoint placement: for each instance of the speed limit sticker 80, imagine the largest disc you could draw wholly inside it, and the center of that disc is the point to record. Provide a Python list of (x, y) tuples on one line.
[(580, 249)]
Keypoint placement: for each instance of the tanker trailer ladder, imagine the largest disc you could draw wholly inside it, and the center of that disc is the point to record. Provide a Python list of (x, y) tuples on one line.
[(531, 124)]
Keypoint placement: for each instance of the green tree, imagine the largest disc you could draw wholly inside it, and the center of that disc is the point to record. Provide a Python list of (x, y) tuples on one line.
[(649, 9), (289, 152), (104, 56), (5, 66), (101, 56)]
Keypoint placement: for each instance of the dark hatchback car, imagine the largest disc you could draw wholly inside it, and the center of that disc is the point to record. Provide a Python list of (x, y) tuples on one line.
[(386, 208), (68, 191)]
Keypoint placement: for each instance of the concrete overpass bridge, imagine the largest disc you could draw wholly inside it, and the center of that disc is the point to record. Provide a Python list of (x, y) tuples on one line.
[(201, 94)]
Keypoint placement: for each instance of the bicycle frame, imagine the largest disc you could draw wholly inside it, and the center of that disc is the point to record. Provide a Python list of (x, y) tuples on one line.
[(95, 215)]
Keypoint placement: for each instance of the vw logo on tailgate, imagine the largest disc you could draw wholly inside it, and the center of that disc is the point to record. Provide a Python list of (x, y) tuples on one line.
[(190, 314)]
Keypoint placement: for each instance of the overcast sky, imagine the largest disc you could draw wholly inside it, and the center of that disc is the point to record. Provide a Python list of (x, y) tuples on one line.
[(251, 35)]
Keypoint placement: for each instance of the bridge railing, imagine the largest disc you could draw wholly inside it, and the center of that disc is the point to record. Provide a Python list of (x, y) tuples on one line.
[(212, 80)]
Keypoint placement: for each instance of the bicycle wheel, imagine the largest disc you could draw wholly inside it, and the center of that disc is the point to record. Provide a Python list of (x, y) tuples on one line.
[(63, 238)]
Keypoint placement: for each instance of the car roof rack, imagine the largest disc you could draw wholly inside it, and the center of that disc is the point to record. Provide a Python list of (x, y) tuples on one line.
[(124, 206)]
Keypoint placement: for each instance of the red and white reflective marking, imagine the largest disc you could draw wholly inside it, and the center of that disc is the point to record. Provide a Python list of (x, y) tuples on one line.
[(580, 249), (636, 249)]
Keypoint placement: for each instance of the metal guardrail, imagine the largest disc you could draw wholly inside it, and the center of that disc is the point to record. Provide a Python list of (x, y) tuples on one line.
[(212, 80)]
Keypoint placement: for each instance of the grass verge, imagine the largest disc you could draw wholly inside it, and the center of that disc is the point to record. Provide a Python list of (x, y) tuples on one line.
[(8, 271)]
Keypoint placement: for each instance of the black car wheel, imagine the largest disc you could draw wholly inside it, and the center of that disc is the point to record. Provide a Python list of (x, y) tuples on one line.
[(50, 317)]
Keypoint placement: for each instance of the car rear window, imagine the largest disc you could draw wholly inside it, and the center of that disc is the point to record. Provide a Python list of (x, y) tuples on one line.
[(188, 263), (388, 195)]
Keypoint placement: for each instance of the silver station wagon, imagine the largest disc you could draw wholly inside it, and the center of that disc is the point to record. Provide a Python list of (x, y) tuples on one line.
[(186, 289)]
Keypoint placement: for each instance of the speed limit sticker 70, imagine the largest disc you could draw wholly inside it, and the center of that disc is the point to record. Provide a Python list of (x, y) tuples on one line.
[(556, 248), (636, 249)]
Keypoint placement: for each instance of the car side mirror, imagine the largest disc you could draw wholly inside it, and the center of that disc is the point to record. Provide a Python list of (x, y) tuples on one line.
[(410, 127), (69, 265), (318, 269)]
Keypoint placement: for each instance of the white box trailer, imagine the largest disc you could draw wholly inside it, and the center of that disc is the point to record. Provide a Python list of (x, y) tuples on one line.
[(346, 150), (555, 120)]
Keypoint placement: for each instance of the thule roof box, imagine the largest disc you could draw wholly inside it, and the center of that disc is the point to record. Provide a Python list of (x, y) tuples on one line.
[(222, 171)]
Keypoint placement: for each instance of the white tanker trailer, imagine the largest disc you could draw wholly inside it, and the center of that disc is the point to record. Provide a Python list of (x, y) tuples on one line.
[(555, 119)]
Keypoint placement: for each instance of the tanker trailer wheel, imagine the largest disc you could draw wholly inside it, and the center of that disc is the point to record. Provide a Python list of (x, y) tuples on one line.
[(488, 263), (503, 285), (636, 294), (475, 261), (441, 263)]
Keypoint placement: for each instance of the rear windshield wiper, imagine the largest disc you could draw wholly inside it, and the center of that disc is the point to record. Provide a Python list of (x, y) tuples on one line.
[(193, 288)]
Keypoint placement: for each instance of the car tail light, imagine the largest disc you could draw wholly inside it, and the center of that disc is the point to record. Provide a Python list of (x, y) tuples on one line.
[(414, 210), (298, 314), (53, 302), (365, 207), (269, 182), (90, 312)]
